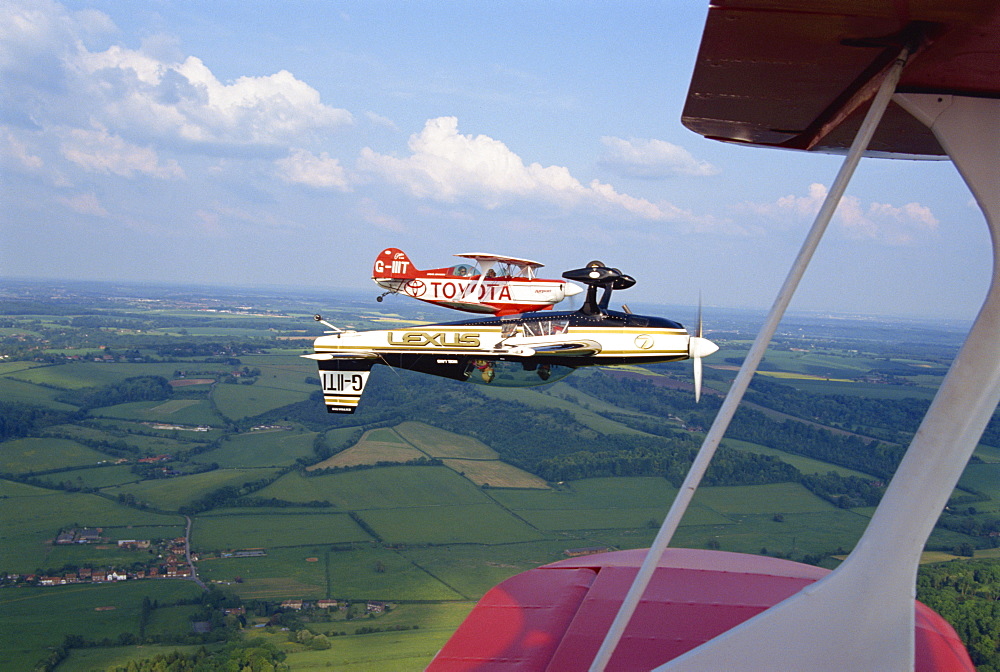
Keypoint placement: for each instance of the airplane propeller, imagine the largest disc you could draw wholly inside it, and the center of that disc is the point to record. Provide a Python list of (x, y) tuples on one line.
[(698, 347)]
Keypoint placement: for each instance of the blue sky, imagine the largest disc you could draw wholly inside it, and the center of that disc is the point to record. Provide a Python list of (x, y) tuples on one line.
[(287, 143)]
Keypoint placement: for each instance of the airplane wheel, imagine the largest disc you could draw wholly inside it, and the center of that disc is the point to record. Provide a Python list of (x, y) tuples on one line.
[(379, 299)]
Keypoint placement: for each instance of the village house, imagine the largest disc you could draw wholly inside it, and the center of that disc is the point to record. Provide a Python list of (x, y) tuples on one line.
[(326, 604), (88, 535), (292, 604), (375, 607)]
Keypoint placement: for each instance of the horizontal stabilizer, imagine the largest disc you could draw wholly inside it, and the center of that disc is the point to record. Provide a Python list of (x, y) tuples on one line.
[(327, 356)]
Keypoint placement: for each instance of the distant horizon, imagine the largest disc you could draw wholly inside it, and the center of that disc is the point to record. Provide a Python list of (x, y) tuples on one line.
[(272, 147), (357, 293)]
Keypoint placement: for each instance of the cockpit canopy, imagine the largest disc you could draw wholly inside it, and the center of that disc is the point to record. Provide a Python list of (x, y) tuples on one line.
[(514, 374)]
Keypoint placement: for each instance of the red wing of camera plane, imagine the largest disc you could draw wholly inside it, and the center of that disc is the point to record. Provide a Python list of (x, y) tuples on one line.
[(492, 284)]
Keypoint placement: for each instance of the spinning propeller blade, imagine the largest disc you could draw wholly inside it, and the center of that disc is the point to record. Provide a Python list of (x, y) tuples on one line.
[(699, 347)]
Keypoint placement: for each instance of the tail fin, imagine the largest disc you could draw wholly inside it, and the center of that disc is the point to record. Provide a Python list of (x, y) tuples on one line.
[(343, 382), (393, 263)]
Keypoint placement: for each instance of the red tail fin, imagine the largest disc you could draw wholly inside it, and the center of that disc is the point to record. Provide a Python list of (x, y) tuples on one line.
[(393, 263)]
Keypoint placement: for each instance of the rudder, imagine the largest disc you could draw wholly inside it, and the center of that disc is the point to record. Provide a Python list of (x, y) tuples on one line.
[(393, 263)]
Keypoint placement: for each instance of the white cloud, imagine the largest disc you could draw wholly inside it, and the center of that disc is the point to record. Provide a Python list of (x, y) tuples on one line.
[(447, 166), (18, 150), (100, 152), (303, 167), (50, 78), (84, 204), (380, 120), (882, 222), (186, 101), (652, 159)]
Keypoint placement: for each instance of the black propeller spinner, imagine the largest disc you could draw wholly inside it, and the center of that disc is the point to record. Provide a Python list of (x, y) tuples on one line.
[(596, 275)]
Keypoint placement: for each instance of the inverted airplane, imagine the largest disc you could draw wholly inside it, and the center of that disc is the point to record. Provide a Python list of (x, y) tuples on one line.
[(492, 284), (521, 350)]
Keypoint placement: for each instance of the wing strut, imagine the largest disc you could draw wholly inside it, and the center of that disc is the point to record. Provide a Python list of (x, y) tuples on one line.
[(890, 77)]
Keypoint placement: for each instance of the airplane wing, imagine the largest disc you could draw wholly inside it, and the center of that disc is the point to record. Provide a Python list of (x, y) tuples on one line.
[(499, 258), (798, 75)]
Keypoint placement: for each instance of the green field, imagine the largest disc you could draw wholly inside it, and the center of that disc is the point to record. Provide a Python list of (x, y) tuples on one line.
[(429, 539), (267, 448), (27, 393), (242, 401), (170, 494), (374, 446), (282, 573), (806, 465), (77, 375), (31, 517), (442, 524), (251, 530), (35, 619), (383, 488), (174, 411), (439, 443), (28, 455)]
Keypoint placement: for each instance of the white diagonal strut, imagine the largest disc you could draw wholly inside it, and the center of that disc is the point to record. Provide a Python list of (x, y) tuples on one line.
[(753, 358), (861, 615)]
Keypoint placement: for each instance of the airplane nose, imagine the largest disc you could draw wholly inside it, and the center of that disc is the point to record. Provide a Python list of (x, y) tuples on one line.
[(569, 289), (701, 347)]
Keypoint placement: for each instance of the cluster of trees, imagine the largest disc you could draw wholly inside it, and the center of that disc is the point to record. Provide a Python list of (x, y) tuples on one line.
[(650, 457), (415, 462), (844, 491), (137, 388), (238, 654), (229, 495), (889, 419), (253, 654), (967, 594), (18, 420)]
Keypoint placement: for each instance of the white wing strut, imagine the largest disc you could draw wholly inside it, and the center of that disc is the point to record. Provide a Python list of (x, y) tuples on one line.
[(860, 617), (718, 429)]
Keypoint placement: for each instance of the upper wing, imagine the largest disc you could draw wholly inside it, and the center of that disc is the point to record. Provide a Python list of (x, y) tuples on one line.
[(800, 75), (498, 258)]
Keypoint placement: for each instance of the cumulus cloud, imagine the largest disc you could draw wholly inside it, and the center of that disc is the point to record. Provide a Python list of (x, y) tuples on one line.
[(652, 159), (185, 100), (53, 81), (447, 166), (98, 151), (882, 222), (321, 172)]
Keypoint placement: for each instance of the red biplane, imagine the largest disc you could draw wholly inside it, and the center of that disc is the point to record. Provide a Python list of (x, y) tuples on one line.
[(493, 284)]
